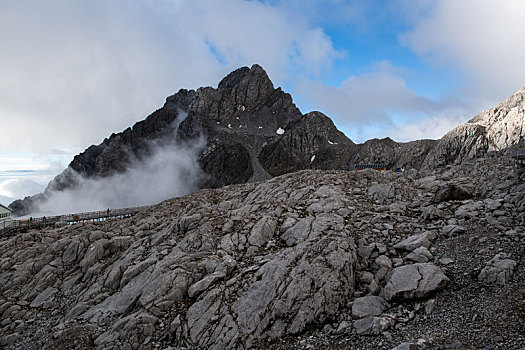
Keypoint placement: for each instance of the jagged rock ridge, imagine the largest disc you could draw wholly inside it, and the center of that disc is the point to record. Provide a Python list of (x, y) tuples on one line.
[(496, 129)]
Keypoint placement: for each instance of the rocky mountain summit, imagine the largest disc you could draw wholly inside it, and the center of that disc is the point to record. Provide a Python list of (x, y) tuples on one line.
[(252, 131), (314, 259)]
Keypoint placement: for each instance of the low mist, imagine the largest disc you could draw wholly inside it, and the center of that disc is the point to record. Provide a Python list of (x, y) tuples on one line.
[(170, 171)]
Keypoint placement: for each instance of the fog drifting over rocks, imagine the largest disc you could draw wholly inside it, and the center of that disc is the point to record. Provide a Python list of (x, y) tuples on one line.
[(170, 171)]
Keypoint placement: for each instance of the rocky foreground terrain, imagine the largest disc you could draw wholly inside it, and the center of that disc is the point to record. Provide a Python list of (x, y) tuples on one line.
[(309, 260)]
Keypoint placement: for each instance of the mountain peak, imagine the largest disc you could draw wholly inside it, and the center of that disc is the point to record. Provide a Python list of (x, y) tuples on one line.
[(504, 123), (517, 99), (254, 75)]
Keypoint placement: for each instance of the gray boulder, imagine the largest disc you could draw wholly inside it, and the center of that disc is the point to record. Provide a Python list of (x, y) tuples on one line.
[(421, 255), (262, 231), (382, 193), (498, 270), (406, 346), (450, 192), (373, 325), (414, 281), (423, 239), (450, 230), (369, 306)]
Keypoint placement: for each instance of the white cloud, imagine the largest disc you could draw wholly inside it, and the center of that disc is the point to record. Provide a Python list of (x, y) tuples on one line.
[(432, 126), (19, 188), (169, 171), (6, 200), (379, 103), (482, 38), (73, 72)]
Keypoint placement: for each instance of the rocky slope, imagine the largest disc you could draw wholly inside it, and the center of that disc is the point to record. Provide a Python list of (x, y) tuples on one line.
[(505, 124), (499, 128), (314, 259)]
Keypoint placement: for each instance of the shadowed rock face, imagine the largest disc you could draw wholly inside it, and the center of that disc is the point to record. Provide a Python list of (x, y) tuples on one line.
[(238, 118), (309, 142), (114, 154)]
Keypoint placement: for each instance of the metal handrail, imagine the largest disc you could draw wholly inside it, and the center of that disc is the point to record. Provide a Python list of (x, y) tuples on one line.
[(8, 226), (518, 153)]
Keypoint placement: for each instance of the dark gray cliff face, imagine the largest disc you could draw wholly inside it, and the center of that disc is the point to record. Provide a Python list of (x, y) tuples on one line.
[(311, 142), (115, 154), (373, 151), (407, 155), (238, 118)]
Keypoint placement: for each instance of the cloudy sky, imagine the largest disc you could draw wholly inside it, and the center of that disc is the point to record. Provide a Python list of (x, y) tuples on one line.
[(73, 72)]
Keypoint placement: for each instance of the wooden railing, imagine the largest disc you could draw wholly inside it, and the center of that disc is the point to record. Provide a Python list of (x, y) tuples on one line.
[(8, 226)]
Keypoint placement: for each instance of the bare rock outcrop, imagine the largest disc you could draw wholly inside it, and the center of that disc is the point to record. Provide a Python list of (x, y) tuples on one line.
[(505, 123), (496, 129), (498, 270), (251, 131)]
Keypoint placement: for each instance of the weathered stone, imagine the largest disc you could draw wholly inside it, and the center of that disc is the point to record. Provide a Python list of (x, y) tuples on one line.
[(468, 210), (420, 240), (383, 261), (373, 325), (44, 297), (369, 306), (10, 339), (374, 287), (450, 192), (299, 232), (445, 261), (414, 281), (262, 231), (343, 327), (94, 252), (71, 253), (421, 255), (498, 270), (205, 283), (381, 193), (406, 346), (450, 230), (365, 277)]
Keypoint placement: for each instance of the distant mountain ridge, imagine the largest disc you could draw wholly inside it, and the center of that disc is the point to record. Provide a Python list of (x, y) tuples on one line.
[(253, 131)]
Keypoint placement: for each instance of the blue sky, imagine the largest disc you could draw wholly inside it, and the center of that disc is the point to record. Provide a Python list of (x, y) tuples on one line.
[(73, 72)]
